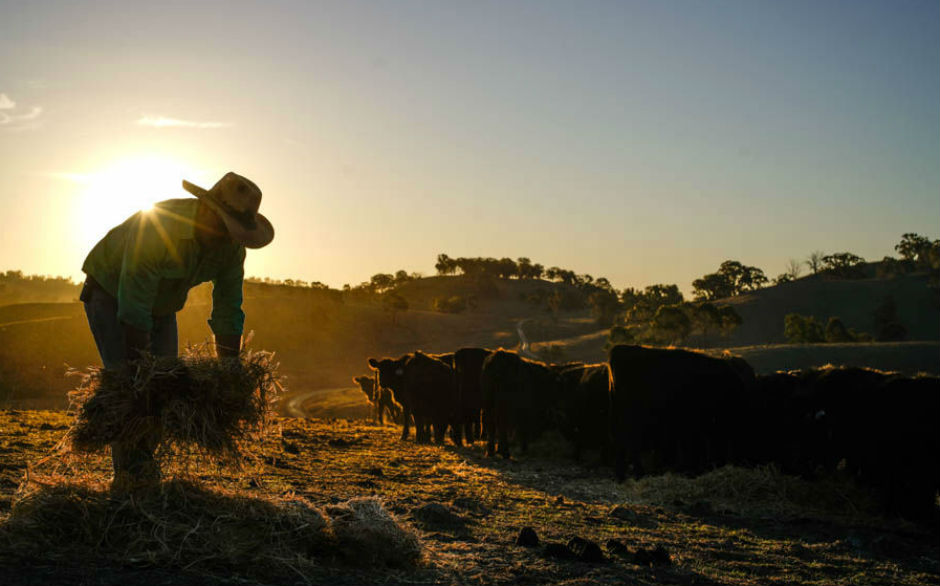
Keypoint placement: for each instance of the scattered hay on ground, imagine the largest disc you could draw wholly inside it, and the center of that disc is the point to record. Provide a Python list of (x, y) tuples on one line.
[(187, 525), (363, 526), (762, 491), (196, 402)]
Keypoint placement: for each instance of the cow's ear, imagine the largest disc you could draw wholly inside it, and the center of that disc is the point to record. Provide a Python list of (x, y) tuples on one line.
[(373, 363)]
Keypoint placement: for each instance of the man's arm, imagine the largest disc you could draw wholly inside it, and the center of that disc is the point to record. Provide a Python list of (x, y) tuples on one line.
[(228, 319)]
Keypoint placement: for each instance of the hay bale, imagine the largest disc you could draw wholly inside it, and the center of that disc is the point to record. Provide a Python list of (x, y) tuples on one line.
[(197, 401), (182, 524), (366, 531)]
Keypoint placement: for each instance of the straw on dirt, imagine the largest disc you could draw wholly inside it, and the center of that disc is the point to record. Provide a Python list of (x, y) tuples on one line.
[(187, 525)]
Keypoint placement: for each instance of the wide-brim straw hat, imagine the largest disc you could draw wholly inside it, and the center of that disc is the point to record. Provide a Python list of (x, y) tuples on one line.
[(236, 200)]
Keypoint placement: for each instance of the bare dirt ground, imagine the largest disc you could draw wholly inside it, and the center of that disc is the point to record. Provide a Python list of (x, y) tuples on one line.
[(469, 510)]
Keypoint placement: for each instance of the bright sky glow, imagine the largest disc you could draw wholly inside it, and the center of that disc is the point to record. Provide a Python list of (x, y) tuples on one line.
[(644, 141)]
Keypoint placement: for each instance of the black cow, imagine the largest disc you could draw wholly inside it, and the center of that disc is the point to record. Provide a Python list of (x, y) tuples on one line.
[(426, 389), (381, 399), (584, 409), (518, 397), (903, 446), (880, 428), (468, 366), (674, 404), (780, 411)]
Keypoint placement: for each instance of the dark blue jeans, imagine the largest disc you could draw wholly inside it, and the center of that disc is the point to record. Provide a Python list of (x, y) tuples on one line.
[(134, 464), (101, 310)]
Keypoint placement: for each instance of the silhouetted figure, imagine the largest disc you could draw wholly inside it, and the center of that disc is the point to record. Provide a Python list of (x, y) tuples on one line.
[(138, 277)]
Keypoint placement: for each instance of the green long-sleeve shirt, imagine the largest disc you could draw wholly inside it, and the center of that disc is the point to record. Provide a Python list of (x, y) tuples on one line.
[(151, 261)]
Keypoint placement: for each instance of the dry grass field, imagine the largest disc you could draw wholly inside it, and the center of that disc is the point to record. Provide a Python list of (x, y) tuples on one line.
[(730, 526)]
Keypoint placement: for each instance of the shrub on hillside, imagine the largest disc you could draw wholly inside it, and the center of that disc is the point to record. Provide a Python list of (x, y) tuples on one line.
[(805, 329), (837, 332), (452, 304), (888, 327), (800, 329)]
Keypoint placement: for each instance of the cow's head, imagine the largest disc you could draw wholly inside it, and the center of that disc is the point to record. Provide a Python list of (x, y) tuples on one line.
[(367, 384), (390, 373)]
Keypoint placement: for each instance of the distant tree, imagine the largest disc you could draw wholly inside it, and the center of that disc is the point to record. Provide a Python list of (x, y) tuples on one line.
[(732, 278), (630, 297), (394, 303), (794, 269), (604, 306), (524, 267), (381, 282), (604, 283), (641, 306), (402, 276), (730, 320), (620, 335), (555, 302), (445, 265), (844, 264), (800, 329), (712, 286), (705, 318), (837, 332), (782, 278), (914, 248), (815, 261), (662, 294), (507, 268), (453, 304), (888, 327), (671, 324), (889, 267)]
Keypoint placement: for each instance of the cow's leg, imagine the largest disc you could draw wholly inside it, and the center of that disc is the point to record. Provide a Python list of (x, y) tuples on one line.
[(502, 430), (422, 429), (456, 431), (489, 421), (620, 464), (406, 420)]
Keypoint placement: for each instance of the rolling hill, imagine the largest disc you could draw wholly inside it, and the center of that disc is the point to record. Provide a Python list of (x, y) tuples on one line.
[(323, 338)]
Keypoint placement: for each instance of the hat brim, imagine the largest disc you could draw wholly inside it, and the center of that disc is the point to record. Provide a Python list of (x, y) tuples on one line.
[(258, 236)]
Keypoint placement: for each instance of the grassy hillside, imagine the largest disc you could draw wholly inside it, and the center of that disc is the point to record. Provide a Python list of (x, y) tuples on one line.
[(852, 300), (320, 340), (730, 526), (323, 338)]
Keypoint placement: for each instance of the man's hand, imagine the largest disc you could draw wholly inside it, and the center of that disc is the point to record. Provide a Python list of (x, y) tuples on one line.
[(135, 342), (228, 346)]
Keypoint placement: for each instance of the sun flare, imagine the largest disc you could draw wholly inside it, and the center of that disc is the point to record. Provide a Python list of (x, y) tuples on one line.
[(125, 187)]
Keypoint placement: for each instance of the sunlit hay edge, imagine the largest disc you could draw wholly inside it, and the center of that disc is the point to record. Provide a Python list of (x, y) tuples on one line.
[(194, 403), (186, 525), (761, 491)]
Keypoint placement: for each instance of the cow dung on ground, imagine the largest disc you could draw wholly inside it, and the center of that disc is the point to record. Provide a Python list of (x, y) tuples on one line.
[(527, 537), (437, 515)]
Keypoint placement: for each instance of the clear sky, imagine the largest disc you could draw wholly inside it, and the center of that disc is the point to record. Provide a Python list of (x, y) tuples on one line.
[(641, 141)]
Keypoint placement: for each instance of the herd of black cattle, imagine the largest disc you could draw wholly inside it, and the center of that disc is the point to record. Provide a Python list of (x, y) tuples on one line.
[(677, 410)]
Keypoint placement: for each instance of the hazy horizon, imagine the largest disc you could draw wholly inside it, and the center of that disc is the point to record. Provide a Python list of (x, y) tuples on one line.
[(644, 141)]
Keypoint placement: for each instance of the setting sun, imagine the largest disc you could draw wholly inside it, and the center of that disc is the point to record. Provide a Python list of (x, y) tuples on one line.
[(126, 186)]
